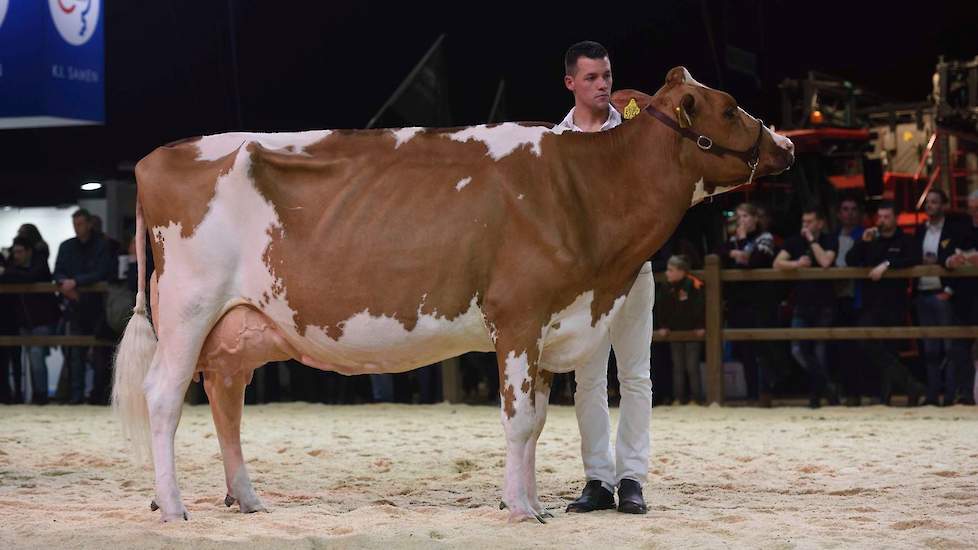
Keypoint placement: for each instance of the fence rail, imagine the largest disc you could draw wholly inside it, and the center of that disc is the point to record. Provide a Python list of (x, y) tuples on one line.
[(713, 277)]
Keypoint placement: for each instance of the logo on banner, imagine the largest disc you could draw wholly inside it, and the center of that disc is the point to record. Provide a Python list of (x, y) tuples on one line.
[(3, 10), (75, 19)]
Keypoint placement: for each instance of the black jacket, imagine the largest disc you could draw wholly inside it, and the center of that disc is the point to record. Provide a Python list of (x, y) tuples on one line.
[(86, 263), (32, 310), (681, 306), (954, 231), (898, 249)]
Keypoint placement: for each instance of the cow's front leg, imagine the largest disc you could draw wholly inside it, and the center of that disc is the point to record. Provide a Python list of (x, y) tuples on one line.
[(519, 415), (539, 401)]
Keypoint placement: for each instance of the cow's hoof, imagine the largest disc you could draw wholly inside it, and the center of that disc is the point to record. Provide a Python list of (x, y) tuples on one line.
[(502, 505), (229, 500), (167, 518), (252, 507), (516, 515), (153, 506), (545, 514)]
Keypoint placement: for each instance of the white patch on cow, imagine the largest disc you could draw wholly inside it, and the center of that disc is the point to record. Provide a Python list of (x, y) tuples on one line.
[(404, 135), (569, 339), (386, 344), (519, 197), (503, 139), (221, 145), (699, 193), (232, 237), (462, 183)]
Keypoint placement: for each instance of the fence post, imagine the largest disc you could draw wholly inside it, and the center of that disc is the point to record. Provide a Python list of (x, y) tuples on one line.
[(714, 330)]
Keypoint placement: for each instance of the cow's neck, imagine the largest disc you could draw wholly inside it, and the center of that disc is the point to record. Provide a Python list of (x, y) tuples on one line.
[(635, 194)]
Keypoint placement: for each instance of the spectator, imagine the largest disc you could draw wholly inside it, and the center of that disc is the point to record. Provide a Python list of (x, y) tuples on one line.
[(84, 260), (885, 300), (933, 297), (31, 233), (751, 305), (681, 306), (37, 314), (814, 300), (963, 251), (9, 356), (846, 353)]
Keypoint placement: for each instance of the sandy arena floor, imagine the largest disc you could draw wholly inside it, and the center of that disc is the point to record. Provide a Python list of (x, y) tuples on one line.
[(387, 476)]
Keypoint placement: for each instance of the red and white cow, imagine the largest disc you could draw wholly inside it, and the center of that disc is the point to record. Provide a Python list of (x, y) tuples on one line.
[(385, 250)]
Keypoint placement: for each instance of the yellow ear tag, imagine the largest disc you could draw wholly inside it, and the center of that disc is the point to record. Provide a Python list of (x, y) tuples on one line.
[(631, 110)]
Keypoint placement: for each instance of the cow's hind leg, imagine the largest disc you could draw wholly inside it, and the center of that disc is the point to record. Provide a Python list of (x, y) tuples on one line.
[(165, 385), (226, 396)]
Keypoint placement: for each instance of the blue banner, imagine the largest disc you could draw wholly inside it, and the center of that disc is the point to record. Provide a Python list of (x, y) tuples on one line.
[(52, 63)]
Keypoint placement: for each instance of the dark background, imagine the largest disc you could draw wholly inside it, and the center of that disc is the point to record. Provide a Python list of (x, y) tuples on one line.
[(171, 69)]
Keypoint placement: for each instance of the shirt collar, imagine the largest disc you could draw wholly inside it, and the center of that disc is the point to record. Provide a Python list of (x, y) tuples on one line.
[(938, 225), (614, 119)]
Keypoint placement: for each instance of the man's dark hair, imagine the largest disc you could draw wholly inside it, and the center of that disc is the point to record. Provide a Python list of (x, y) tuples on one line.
[(82, 213), (888, 205), (852, 199), (588, 49), (940, 193), (23, 241), (813, 210)]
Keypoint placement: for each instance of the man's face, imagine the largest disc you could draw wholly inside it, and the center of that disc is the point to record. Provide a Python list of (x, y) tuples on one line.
[(674, 274), (848, 214), (83, 227), (973, 211), (886, 220), (811, 222), (22, 256), (933, 205), (591, 83)]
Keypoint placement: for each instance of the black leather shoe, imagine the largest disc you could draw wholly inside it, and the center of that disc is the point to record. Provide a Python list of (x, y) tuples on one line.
[(593, 497), (630, 499)]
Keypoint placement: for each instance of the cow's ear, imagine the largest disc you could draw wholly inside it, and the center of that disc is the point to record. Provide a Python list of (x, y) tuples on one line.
[(677, 75), (686, 111), (630, 102)]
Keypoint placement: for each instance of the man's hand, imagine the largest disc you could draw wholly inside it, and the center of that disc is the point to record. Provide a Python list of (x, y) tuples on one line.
[(956, 261), (877, 273), (662, 332), (739, 256), (870, 234), (68, 289), (804, 261), (807, 235), (701, 332)]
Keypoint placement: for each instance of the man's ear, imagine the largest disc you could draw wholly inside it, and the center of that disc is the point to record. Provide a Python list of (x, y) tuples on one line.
[(630, 102), (569, 82)]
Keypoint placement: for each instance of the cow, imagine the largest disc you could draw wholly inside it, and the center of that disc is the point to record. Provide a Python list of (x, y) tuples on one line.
[(380, 251)]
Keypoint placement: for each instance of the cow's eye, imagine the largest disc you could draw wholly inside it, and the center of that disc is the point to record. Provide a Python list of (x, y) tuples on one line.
[(730, 113)]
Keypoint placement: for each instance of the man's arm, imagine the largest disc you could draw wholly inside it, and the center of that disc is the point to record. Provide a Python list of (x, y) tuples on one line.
[(61, 263), (103, 266), (824, 257)]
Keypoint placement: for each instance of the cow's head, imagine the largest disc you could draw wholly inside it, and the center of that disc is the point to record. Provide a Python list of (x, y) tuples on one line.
[(721, 144)]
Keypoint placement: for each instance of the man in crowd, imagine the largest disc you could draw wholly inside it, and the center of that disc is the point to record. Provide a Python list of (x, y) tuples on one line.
[(846, 353), (963, 251), (814, 300), (84, 260), (885, 300)]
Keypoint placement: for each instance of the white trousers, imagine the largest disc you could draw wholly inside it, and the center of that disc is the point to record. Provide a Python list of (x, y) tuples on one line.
[(631, 336)]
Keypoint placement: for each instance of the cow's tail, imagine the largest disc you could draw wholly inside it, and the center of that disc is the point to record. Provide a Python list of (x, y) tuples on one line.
[(133, 359)]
